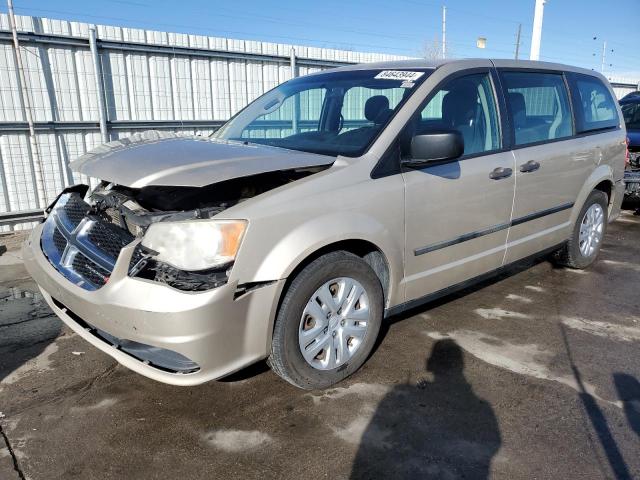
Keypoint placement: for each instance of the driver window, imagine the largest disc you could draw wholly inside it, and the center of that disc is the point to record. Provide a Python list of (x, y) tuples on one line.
[(367, 107), (466, 104)]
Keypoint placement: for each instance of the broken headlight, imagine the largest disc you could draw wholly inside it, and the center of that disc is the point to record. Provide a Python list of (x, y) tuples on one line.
[(195, 245)]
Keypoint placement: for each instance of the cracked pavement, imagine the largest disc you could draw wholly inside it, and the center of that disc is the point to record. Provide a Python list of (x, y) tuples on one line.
[(535, 374)]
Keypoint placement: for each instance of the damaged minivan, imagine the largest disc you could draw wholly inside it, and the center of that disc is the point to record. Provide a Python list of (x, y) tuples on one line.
[(331, 202)]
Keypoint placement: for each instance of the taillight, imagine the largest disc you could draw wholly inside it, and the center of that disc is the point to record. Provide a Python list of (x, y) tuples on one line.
[(626, 155)]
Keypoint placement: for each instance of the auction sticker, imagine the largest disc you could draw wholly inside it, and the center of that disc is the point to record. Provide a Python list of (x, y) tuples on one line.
[(403, 75)]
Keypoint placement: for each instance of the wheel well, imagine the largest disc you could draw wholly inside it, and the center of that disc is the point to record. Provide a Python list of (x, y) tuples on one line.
[(605, 186), (362, 248)]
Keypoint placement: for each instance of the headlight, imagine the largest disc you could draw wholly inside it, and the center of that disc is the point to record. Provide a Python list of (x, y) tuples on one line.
[(195, 245)]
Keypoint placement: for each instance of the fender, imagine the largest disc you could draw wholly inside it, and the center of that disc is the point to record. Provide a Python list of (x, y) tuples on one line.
[(601, 173), (303, 241)]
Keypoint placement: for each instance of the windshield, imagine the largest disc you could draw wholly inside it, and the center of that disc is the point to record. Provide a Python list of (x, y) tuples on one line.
[(631, 114), (336, 113)]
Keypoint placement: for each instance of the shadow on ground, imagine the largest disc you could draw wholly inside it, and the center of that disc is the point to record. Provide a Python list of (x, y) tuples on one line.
[(628, 389), (438, 428), (27, 329)]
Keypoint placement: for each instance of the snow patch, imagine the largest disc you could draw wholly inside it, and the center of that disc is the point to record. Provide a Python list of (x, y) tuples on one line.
[(529, 360), (573, 270), (371, 390), (616, 263), (353, 432), (518, 298), (603, 329), (104, 403), (235, 441), (534, 288), (499, 314)]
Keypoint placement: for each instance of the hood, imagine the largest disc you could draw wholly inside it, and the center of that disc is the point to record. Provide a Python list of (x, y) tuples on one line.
[(169, 159), (634, 138)]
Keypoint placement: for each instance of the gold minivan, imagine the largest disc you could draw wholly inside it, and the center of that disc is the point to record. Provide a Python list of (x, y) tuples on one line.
[(329, 203)]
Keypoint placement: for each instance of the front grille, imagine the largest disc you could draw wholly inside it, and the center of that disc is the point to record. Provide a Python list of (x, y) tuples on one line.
[(75, 209), (109, 238), (59, 241), (95, 274), (82, 246)]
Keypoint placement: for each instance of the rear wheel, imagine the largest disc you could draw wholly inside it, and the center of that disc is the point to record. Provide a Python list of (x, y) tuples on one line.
[(328, 321), (584, 245)]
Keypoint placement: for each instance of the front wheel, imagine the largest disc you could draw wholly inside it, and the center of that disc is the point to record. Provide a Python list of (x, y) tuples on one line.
[(328, 321), (586, 239)]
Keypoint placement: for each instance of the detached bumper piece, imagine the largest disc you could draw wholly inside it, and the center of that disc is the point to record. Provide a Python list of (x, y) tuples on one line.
[(160, 358)]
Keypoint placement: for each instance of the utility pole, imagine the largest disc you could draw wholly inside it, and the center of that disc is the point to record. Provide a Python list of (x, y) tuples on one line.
[(444, 32), (536, 35), (26, 102), (604, 54), (518, 41)]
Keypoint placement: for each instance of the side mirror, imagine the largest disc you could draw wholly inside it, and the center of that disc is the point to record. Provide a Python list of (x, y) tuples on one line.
[(435, 147)]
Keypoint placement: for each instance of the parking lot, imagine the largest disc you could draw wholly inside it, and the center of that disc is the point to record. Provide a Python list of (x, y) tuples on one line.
[(533, 375)]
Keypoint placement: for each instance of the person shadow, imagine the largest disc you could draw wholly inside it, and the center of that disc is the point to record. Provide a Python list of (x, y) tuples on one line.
[(628, 389), (438, 428)]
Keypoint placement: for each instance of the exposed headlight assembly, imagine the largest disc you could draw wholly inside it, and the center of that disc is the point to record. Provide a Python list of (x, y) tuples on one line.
[(195, 245)]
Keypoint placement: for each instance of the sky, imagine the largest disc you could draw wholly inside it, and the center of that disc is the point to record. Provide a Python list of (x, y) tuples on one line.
[(573, 30)]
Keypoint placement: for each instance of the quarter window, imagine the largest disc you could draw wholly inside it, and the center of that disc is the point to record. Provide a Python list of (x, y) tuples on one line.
[(595, 107), (539, 106), (466, 104)]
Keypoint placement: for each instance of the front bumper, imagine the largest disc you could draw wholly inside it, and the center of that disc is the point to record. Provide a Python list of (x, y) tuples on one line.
[(218, 330), (632, 184)]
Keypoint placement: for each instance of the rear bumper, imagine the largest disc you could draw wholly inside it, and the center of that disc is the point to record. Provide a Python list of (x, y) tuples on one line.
[(215, 330)]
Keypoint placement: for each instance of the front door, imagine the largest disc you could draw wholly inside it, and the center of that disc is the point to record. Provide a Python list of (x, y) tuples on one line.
[(458, 213)]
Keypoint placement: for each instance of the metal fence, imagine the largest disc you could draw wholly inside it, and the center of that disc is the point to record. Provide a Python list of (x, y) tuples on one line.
[(87, 85)]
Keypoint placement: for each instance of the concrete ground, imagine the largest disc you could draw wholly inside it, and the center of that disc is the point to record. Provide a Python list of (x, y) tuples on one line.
[(533, 375)]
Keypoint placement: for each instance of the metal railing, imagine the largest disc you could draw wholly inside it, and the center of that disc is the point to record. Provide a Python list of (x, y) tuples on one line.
[(44, 46), (25, 216)]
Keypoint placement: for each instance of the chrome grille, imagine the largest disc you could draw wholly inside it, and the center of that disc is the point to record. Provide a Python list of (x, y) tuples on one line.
[(95, 274), (85, 249), (75, 210), (59, 241), (109, 238)]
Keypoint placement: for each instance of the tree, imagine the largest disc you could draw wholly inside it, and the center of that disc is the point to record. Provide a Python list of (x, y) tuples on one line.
[(432, 49)]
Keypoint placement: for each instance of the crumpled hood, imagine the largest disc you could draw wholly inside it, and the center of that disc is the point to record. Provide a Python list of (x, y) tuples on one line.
[(169, 159)]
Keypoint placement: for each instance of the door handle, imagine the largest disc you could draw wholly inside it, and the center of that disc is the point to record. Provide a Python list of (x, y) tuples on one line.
[(500, 172), (530, 166)]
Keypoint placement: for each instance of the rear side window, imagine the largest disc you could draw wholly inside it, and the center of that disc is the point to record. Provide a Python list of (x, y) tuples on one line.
[(594, 105), (539, 106)]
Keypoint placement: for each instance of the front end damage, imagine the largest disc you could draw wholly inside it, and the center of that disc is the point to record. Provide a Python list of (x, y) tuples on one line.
[(84, 234), (174, 325), (632, 176)]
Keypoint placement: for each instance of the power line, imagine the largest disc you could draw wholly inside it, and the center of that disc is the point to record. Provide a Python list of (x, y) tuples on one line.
[(191, 28)]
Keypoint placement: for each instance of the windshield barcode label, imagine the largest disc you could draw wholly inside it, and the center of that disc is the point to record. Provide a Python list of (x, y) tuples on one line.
[(402, 75)]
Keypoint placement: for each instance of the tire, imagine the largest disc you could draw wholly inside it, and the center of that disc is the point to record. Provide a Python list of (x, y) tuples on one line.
[(331, 365), (571, 254)]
